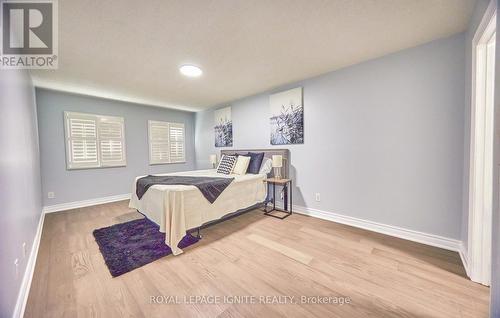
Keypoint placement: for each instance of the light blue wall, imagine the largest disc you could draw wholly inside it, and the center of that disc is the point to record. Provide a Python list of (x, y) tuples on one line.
[(19, 181), (477, 15), (383, 139), (77, 185)]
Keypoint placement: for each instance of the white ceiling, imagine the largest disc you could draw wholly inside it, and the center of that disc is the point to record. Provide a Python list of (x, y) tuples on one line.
[(131, 50)]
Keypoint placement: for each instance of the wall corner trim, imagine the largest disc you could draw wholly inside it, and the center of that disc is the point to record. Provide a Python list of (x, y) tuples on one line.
[(464, 256), (24, 290), (84, 203)]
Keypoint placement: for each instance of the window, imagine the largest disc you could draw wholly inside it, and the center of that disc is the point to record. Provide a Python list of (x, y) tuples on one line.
[(166, 142), (94, 141)]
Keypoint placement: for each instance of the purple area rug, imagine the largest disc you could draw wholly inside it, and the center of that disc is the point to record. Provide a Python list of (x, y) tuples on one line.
[(127, 246)]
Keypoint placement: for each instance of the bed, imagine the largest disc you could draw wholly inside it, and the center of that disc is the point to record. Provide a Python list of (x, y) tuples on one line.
[(180, 208)]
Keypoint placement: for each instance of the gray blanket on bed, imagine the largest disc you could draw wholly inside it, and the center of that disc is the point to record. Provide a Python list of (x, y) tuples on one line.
[(210, 187)]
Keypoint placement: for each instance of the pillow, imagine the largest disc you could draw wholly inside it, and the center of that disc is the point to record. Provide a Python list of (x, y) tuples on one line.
[(241, 165), (266, 167), (255, 162), (226, 164)]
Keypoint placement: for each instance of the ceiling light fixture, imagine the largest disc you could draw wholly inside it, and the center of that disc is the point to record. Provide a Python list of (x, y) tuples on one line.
[(190, 70)]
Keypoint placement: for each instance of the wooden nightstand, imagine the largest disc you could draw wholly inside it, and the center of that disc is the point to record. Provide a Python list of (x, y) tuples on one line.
[(287, 187)]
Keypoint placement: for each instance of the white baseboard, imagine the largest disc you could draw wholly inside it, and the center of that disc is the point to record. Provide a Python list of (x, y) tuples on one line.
[(84, 203), (22, 297), (407, 234)]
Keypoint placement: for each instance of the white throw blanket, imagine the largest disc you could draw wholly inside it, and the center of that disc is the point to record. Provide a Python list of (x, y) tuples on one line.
[(178, 208)]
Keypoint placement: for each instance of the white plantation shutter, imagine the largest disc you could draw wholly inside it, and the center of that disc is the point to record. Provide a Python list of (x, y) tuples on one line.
[(112, 141), (166, 142), (81, 141), (177, 143), (158, 142), (94, 141)]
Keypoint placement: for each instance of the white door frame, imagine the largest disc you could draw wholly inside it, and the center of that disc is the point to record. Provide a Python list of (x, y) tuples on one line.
[(481, 151)]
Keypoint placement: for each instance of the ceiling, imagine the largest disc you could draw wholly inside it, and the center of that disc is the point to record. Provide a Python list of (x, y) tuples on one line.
[(131, 50)]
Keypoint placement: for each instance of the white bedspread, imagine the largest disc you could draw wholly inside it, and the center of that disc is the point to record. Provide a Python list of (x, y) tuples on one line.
[(178, 208)]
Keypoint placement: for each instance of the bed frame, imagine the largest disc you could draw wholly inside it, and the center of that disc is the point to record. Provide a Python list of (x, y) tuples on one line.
[(268, 153)]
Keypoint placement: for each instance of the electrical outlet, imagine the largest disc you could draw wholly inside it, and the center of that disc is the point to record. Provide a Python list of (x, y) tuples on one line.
[(51, 195), (318, 197), (16, 264), (25, 251)]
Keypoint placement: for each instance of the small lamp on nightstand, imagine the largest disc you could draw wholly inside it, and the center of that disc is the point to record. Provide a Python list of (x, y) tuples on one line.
[(213, 160), (277, 164)]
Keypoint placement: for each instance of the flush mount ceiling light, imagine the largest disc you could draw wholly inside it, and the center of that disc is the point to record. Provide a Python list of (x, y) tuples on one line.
[(190, 70)]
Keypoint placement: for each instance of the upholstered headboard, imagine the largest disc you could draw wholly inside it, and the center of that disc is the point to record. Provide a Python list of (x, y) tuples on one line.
[(268, 153)]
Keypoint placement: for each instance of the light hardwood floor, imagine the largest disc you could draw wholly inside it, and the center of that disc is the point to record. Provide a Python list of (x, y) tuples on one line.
[(251, 255)]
